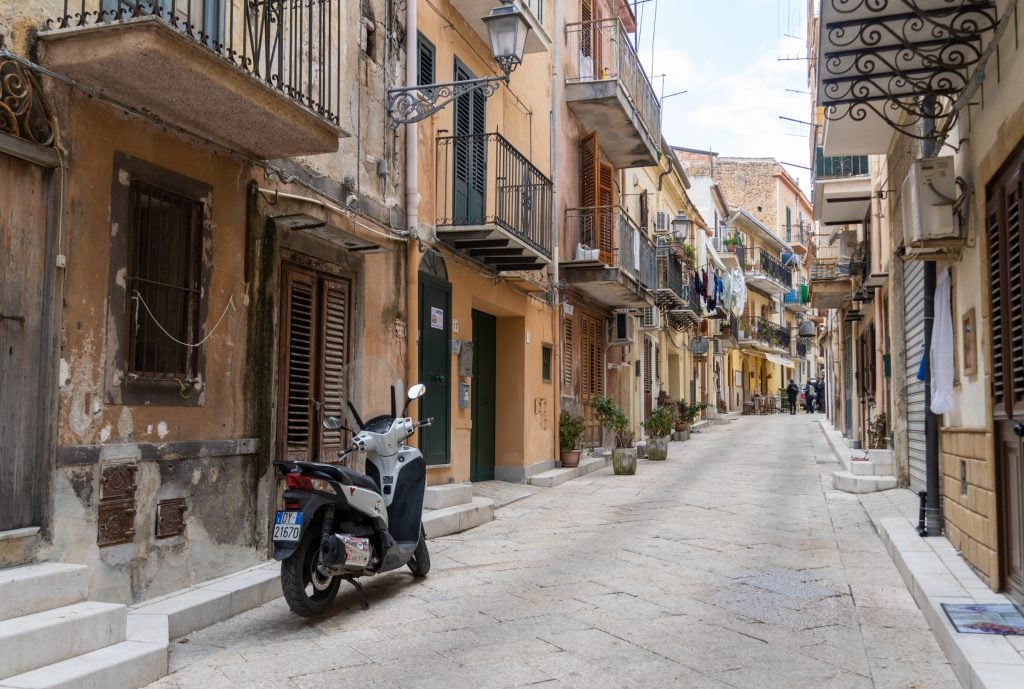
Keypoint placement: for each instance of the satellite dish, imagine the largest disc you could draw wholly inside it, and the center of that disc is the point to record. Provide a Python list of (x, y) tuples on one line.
[(699, 345)]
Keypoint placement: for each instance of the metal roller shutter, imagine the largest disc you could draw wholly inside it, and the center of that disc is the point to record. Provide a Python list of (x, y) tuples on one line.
[(913, 281)]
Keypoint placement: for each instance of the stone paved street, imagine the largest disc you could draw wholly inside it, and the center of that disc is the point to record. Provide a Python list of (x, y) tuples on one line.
[(733, 564)]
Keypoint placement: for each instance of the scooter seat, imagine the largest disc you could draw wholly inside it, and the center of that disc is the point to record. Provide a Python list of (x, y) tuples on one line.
[(346, 476)]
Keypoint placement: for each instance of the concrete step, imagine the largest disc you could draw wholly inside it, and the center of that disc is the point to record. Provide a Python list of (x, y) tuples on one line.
[(43, 638), (849, 482), (556, 477), (126, 665), (440, 497), (34, 588), (458, 518)]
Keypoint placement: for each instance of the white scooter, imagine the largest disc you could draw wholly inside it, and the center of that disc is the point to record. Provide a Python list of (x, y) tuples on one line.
[(338, 524)]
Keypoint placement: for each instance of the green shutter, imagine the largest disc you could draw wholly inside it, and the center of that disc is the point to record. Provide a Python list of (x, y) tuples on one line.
[(425, 73)]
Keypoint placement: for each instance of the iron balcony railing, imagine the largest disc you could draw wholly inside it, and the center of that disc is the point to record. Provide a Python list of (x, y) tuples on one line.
[(648, 257), (603, 52), (838, 166), (830, 269), (760, 261), (609, 235), (670, 271), (482, 179), (731, 245), (293, 46), (757, 328), (691, 294)]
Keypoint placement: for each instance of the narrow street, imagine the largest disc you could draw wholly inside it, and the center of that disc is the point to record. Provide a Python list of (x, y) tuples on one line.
[(733, 564)]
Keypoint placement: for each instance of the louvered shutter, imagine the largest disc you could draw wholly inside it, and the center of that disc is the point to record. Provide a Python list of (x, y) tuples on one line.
[(591, 372), (589, 172), (606, 224), (333, 360), (1006, 275), (426, 73), (567, 355), (648, 376), (645, 213), (300, 299), (996, 298), (470, 157), (586, 31)]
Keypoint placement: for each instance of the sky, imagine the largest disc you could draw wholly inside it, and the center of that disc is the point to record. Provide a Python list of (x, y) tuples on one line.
[(726, 55)]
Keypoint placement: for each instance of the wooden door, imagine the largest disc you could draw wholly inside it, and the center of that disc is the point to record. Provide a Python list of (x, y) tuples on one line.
[(648, 377), (597, 195), (316, 313), (591, 374), (470, 168), (1005, 225), (23, 195), (435, 367), (484, 396)]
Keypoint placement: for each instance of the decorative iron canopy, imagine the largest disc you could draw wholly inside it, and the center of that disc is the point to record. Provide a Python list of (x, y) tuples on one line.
[(903, 61)]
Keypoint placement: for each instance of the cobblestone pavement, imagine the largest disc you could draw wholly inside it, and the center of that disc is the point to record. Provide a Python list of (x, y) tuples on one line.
[(733, 564)]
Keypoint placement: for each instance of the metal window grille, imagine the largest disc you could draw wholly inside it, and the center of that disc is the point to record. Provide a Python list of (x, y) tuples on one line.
[(163, 281)]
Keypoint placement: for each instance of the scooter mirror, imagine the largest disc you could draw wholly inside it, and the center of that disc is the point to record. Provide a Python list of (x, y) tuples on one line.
[(417, 391), (332, 423)]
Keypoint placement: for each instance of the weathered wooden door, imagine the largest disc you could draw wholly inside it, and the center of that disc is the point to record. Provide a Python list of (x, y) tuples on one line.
[(591, 374), (315, 322), (484, 396), (435, 364), (1005, 225), (23, 193)]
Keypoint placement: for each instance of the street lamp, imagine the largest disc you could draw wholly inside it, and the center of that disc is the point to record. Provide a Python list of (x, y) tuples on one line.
[(507, 30), (681, 226)]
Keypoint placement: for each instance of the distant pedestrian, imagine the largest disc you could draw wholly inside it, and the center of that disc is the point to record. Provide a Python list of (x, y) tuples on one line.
[(809, 398), (792, 391), (820, 390)]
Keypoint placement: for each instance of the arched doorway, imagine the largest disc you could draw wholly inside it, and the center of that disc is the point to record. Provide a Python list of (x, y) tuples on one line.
[(435, 327)]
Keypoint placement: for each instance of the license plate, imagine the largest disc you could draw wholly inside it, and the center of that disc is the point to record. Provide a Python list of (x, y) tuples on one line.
[(287, 526)]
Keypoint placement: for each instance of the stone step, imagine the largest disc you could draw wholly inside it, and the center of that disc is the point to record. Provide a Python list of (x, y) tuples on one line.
[(43, 638), (440, 497), (849, 482), (125, 665), (556, 477), (458, 518), (34, 588)]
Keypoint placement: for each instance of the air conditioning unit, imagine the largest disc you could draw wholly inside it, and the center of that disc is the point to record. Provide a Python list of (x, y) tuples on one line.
[(929, 192), (650, 319), (622, 325)]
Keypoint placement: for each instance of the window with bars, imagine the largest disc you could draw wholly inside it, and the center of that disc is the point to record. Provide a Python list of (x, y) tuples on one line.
[(545, 363), (164, 284)]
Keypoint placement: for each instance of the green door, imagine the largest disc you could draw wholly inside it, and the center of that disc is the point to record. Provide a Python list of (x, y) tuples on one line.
[(470, 169), (484, 395), (435, 364)]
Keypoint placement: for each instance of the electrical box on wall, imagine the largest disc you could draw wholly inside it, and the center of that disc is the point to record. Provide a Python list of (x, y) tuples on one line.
[(464, 395), (466, 359)]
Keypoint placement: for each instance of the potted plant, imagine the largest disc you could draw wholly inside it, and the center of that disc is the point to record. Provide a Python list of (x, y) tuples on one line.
[(570, 430), (688, 413), (689, 255), (615, 421), (659, 425)]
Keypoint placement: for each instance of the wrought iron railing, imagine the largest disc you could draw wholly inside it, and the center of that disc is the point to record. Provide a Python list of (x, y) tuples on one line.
[(731, 245), (760, 261), (691, 293), (602, 51), (670, 271), (648, 255), (830, 268), (483, 179), (838, 166), (609, 235), (294, 46), (757, 328)]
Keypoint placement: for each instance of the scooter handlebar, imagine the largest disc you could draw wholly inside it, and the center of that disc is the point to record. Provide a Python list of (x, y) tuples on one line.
[(428, 422)]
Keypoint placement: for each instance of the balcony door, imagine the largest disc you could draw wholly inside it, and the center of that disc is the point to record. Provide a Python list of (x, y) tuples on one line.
[(1005, 221), (470, 188), (597, 193)]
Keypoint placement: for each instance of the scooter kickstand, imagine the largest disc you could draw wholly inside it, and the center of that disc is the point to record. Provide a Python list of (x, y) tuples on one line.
[(362, 593)]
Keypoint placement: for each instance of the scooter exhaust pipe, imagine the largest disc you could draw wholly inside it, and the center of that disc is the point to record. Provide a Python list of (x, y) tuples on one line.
[(342, 550)]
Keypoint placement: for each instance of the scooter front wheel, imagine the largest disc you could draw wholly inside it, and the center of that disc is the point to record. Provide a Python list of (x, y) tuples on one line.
[(308, 592), (419, 565)]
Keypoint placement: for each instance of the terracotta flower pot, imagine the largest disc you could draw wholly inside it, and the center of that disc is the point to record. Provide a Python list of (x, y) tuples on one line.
[(570, 458), (657, 449), (624, 460)]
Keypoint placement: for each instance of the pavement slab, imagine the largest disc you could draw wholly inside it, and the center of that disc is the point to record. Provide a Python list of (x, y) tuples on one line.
[(733, 565)]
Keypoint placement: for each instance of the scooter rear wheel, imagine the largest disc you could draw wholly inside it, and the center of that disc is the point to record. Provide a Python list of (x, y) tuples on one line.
[(307, 592), (419, 565)]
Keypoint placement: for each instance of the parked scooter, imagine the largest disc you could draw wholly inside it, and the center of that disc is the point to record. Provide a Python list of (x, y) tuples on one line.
[(338, 524)]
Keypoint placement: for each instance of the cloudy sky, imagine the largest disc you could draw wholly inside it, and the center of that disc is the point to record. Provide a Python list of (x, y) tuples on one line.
[(725, 54)]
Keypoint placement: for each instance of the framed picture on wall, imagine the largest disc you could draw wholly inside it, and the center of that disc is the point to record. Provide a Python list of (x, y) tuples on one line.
[(970, 344)]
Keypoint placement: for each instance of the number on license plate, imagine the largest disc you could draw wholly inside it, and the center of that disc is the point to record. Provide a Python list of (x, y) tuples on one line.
[(287, 526)]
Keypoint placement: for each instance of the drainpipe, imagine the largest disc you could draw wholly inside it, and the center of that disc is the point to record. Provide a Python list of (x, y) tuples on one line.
[(933, 511), (412, 197), (553, 272)]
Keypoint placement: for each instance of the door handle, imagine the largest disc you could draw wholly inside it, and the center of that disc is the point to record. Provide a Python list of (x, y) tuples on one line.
[(1018, 429), (437, 378)]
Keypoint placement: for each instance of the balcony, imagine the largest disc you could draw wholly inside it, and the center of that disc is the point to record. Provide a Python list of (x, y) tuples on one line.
[(761, 330), (537, 41), (831, 279), (257, 76), (492, 204), (615, 263), (766, 273), (731, 250), (607, 89), (842, 188), (797, 299), (689, 311)]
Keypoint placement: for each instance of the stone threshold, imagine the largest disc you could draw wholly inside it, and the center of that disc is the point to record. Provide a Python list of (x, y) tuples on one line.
[(936, 573)]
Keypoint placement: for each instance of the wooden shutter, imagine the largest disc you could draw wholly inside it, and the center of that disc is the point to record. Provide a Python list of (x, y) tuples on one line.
[(300, 295), (645, 213), (606, 226), (333, 364), (1005, 215), (590, 172), (586, 31), (567, 355), (426, 72), (591, 372)]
